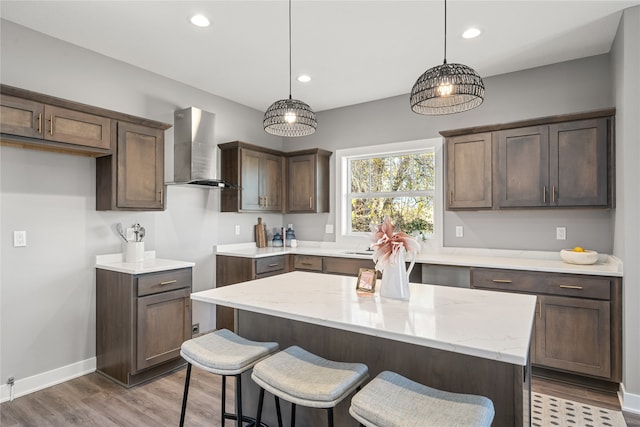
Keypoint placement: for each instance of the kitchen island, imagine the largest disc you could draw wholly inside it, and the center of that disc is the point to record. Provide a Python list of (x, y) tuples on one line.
[(460, 340)]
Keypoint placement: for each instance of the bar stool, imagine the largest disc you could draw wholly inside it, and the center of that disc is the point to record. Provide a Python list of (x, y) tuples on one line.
[(391, 400), (303, 378), (223, 353)]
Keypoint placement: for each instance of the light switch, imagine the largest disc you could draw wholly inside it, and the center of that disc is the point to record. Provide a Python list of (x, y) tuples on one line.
[(19, 239)]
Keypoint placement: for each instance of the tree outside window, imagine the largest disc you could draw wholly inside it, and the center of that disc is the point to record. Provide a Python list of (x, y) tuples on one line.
[(398, 185)]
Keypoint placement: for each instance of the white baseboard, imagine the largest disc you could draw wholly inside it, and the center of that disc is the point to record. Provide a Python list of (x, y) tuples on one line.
[(23, 386), (629, 402)]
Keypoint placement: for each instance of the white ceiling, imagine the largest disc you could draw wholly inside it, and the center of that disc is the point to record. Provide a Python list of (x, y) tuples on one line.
[(355, 51)]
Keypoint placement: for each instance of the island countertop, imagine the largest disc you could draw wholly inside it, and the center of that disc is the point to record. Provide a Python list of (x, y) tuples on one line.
[(491, 325)]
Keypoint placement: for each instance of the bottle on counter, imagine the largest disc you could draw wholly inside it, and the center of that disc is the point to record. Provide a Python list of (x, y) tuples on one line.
[(290, 236), (277, 240)]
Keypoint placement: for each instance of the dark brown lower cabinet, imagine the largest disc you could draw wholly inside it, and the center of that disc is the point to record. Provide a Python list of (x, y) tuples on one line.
[(141, 322), (578, 322), (573, 335)]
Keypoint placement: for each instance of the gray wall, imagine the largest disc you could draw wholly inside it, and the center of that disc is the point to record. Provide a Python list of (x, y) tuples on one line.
[(625, 57), (545, 91), (48, 288)]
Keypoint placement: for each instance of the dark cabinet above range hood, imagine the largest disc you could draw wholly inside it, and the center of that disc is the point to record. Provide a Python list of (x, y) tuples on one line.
[(194, 149)]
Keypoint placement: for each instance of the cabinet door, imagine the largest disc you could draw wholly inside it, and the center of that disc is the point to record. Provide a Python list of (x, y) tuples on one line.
[(579, 163), (75, 127), (140, 167), (164, 323), (469, 171), (574, 335), (271, 182), (251, 198), (302, 183), (261, 183), (523, 167), (21, 117)]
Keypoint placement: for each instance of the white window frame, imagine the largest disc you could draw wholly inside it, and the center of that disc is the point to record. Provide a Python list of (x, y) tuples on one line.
[(343, 237)]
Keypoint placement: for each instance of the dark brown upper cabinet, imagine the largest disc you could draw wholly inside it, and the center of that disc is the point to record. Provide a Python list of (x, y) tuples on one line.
[(469, 171), (560, 161), (129, 150), (257, 174), (308, 181)]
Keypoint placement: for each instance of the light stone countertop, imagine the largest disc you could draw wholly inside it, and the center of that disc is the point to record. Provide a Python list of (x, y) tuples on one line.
[(151, 264), (491, 325), (607, 265)]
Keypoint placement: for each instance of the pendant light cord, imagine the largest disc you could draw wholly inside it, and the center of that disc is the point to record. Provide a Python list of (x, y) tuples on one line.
[(289, 49), (445, 31)]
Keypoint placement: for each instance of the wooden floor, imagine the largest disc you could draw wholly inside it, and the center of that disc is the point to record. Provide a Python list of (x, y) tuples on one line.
[(93, 400)]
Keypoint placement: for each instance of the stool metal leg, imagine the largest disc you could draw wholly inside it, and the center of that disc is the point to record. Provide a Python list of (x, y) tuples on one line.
[(238, 401), (223, 400), (186, 393), (260, 401), (330, 416), (293, 415), (278, 412)]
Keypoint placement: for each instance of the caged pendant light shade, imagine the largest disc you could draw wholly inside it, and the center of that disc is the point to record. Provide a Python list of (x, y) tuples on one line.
[(447, 88), (289, 117)]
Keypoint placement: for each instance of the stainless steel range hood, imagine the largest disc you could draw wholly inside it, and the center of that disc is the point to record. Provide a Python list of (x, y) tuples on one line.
[(194, 149)]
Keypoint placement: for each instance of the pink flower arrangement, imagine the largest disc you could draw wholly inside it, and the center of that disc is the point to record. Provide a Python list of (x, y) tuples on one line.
[(387, 244)]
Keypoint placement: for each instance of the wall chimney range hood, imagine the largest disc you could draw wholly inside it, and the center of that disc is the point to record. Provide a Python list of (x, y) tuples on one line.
[(194, 149)]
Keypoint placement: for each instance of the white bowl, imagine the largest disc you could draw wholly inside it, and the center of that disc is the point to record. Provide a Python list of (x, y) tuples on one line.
[(586, 257)]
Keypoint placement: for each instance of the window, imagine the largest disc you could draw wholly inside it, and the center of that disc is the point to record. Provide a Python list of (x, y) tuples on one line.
[(398, 180)]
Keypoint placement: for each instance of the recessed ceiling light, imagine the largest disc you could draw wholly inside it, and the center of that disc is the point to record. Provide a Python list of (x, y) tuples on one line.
[(304, 78), (471, 33), (200, 21)]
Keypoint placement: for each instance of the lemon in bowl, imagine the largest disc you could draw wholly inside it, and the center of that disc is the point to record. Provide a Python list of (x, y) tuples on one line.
[(579, 255)]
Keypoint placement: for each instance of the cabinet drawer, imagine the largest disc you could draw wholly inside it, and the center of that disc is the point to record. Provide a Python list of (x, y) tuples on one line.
[(269, 264), (542, 283), (307, 262), (164, 281)]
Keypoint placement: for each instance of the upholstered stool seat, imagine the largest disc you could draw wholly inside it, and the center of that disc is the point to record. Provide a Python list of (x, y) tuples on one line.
[(306, 379), (391, 400), (223, 353)]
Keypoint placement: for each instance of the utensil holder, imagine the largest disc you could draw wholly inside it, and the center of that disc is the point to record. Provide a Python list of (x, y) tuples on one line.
[(134, 252)]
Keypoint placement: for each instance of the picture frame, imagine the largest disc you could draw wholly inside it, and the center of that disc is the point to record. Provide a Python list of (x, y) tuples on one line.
[(367, 280)]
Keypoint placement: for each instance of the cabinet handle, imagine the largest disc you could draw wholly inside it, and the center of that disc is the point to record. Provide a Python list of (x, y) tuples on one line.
[(539, 309), (51, 125), (544, 194), (502, 281), (306, 263), (553, 194), (450, 198), (571, 287), (39, 122), (168, 282), (273, 265), (310, 206)]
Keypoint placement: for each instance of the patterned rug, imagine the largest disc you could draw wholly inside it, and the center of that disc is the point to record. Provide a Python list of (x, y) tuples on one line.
[(552, 411)]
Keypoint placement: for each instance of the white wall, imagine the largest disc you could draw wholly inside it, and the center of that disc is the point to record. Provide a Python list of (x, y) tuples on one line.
[(47, 292), (625, 57)]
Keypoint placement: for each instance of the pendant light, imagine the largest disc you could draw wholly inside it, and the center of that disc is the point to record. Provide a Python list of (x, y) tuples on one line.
[(447, 88), (289, 117)]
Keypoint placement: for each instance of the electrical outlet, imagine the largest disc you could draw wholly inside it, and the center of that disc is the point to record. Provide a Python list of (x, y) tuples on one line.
[(328, 228), (459, 231), (561, 233), (195, 329), (237, 230), (19, 238)]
